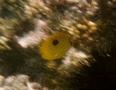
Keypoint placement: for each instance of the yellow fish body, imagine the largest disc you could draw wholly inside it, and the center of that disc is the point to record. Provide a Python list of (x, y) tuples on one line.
[(55, 46)]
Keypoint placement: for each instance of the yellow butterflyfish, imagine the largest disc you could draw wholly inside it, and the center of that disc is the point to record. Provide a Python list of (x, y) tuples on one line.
[(55, 46)]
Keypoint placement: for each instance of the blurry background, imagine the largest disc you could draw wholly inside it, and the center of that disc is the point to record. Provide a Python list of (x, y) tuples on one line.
[(88, 65)]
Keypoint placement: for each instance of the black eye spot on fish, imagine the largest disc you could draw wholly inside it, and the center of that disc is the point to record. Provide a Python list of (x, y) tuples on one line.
[(55, 42)]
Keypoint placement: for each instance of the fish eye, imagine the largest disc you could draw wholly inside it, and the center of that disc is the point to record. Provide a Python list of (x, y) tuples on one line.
[(55, 42)]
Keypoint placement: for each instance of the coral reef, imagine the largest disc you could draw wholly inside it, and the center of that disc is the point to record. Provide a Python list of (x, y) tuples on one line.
[(89, 64)]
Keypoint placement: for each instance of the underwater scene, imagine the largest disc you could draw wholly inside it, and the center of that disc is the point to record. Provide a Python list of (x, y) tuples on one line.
[(57, 44)]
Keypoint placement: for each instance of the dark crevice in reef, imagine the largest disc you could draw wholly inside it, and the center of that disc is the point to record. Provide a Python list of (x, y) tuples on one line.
[(102, 74)]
